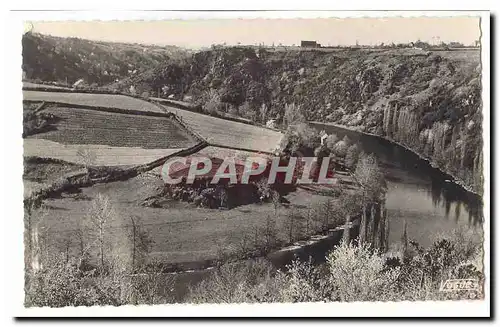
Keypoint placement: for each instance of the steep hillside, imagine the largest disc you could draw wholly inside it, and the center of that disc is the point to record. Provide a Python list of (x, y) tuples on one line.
[(67, 60), (430, 102)]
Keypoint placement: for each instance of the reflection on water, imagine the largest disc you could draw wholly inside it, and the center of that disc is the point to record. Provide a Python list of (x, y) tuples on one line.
[(417, 192)]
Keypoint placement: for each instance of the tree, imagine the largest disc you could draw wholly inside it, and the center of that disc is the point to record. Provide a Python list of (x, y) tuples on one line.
[(301, 137), (362, 227), (263, 112), (293, 115), (331, 140), (340, 148), (33, 241), (370, 177), (276, 198), (372, 281), (212, 102), (86, 156), (141, 243), (100, 215), (291, 224), (346, 237), (270, 233), (352, 155)]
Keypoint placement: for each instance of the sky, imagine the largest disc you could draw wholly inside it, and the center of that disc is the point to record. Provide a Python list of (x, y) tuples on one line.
[(327, 31)]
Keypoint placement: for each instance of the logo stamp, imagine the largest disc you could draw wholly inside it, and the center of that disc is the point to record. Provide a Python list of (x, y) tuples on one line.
[(469, 285)]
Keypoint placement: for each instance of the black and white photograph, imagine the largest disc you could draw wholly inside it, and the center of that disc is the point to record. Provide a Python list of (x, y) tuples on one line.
[(232, 160)]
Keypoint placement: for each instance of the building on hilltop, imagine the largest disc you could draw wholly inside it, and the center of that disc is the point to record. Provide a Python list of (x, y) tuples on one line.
[(310, 44)]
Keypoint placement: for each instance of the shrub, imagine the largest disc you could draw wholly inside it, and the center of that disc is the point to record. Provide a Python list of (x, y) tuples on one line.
[(213, 103), (34, 123), (352, 154), (359, 274), (236, 283), (293, 115), (301, 282), (64, 283)]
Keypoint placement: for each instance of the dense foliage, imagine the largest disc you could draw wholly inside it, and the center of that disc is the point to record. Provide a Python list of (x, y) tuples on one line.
[(66, 60), (352, 273)]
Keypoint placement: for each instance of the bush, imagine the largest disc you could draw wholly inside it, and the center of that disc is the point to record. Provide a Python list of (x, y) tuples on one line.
[(65, 283), (293, 114), (351, 157), (34, 123), (62, 284), (212, 103), (359, 274), (249, 281)]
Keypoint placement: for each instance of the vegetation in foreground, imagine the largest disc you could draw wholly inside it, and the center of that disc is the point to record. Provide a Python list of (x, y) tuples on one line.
[(351, 273)]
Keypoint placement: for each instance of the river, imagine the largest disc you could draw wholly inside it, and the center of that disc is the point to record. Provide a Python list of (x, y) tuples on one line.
[(417, 192)]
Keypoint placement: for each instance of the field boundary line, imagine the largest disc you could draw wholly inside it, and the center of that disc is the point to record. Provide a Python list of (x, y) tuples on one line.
[(176, 104), (192, 108), (239, 149), (105, 109), (100, 174)]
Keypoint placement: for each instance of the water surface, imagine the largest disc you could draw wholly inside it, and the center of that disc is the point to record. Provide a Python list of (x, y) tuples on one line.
[(417, 192)]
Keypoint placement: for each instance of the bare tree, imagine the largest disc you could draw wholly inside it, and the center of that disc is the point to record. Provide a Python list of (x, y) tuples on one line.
[(369, 175), (293, 115), (86, 156), (276, 198), (100, 215), (33, 242), (270, 233), (263, 112), (141, 243)]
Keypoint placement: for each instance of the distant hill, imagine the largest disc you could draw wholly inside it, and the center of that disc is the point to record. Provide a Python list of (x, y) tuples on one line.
[(66, 60)]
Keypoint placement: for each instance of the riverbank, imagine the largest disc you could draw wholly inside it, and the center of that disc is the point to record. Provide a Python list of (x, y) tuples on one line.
[(455, 180)]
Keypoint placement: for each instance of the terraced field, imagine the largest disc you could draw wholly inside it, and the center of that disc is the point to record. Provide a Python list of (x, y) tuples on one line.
[(104, 155), (111, 138), (98, 100), (229, 133), (85, 126)]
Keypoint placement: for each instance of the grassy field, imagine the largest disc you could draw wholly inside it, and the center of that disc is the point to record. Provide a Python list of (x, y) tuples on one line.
[(180, 233), (40, 172), (229, 133), (98, 100), (104, 155)]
